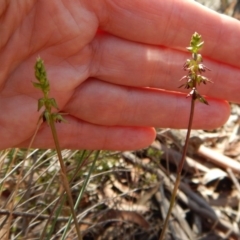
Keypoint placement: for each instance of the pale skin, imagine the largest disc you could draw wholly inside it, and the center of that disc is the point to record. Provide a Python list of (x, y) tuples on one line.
[(113, 66)]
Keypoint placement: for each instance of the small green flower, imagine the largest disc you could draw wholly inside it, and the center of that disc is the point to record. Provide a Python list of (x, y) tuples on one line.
[(195, 43), (41, 76), (196, 96)]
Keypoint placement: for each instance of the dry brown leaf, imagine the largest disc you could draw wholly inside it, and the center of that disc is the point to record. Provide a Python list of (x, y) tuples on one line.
[(213, 174), (127, 216)]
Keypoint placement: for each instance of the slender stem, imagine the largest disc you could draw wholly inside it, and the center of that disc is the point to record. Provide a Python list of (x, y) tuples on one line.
[(61, 197), (64, 176), (82, 189), (179, 170)]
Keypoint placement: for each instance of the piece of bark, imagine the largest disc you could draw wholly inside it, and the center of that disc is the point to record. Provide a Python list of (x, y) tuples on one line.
[(219, 159)]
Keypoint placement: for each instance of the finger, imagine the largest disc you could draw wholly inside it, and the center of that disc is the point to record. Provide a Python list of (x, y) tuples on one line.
[(77, 134), (134, 64), (111, 105), (171, 23)]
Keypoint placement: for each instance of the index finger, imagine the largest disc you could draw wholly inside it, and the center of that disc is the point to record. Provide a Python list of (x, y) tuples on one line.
[(171, 23)]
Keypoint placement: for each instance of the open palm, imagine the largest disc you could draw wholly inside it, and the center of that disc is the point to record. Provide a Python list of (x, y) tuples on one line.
[(113, 67)]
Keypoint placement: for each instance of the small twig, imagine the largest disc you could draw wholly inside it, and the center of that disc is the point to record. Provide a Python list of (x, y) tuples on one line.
[(31, 215), (236, 183), (219, 159)]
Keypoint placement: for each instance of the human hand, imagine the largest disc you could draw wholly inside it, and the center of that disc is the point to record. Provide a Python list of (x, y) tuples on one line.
[(113, 67)]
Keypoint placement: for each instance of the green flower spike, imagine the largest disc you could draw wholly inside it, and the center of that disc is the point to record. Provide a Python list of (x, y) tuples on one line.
[(45, 101), (195, 68)]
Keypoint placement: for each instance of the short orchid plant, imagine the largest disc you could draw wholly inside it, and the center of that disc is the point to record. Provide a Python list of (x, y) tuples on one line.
[(193, 78)]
